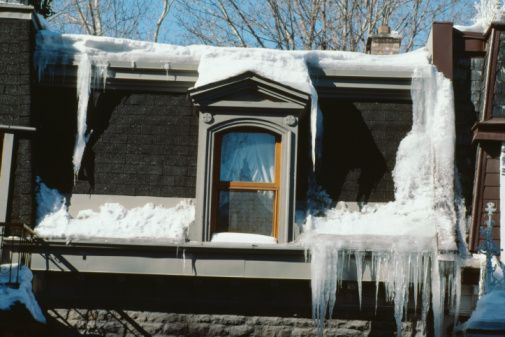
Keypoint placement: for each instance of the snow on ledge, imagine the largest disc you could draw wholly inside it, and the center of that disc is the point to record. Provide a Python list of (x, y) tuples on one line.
[(24, 294), (112, 222), (229, 237)]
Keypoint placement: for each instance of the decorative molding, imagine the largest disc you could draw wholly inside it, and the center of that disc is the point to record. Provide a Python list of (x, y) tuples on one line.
[(207, 118), (290, 120)]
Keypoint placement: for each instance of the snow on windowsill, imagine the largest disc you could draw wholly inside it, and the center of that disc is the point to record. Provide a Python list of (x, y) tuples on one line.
[(243, 238)]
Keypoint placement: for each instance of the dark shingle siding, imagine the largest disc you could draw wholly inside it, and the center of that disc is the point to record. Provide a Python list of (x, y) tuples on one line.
[(148, 148), (15, 109), (359, 151)]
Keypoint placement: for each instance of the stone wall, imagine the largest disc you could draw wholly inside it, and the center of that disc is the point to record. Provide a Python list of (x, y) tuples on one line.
[(99, 304), (68, 322), (15, 110)]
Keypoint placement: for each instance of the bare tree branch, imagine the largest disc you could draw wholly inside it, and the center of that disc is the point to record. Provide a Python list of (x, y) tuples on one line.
[(166, 7)]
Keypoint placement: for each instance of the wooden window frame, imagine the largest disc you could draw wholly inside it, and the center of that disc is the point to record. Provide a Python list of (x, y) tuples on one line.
[(219, 185)]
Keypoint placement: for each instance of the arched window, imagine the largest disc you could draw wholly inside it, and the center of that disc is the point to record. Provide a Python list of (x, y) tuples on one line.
[(246, 182)]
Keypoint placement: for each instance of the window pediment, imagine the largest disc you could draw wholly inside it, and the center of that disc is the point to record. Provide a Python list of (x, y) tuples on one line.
[(249, 91)]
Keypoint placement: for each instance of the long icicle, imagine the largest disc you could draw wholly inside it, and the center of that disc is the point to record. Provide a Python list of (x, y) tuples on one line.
[(83, 92)]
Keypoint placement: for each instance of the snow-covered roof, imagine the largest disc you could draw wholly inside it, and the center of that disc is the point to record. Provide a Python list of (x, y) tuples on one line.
[(171, 60)]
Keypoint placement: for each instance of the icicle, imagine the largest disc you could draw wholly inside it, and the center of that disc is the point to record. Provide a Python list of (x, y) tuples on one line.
[(436, 297), (397, 269), (415, 278), (183, 260), (83, 91), (426, 288), (100, 75), (316, 126), (376, 263), (358, 257)]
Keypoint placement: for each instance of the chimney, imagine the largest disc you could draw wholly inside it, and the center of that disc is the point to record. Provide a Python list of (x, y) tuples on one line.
[(384, 42)]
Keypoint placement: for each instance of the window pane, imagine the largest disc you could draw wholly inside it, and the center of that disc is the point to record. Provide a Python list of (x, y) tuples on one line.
[(248, 156), (246, 212)]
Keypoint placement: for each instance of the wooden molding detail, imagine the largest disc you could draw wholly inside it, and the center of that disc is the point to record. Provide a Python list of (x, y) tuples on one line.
[(489, 130), (442, 48), (469, 44), (491, 73)]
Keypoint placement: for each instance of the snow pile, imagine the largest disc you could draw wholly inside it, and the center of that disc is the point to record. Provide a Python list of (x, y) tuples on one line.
[(23, 294), (93, 54), (405, 235), (229, 237), (487, 12), (489, 313), (112, 222)]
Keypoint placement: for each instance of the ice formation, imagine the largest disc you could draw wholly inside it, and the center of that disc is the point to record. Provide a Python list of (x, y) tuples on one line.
[(22, 294), (112, 222), (403, 237)]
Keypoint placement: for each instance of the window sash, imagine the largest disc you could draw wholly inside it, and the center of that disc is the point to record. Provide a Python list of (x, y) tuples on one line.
[(243, 185)]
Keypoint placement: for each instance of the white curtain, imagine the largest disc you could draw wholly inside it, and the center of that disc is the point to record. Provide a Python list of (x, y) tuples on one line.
[(248, 156)]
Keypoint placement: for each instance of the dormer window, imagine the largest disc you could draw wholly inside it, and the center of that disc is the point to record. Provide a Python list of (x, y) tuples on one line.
[(247, 147)]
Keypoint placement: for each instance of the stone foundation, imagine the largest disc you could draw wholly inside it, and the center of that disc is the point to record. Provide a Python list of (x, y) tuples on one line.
[(69, 322)]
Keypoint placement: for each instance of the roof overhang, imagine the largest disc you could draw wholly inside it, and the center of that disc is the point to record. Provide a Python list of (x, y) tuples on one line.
[(164, 76)]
